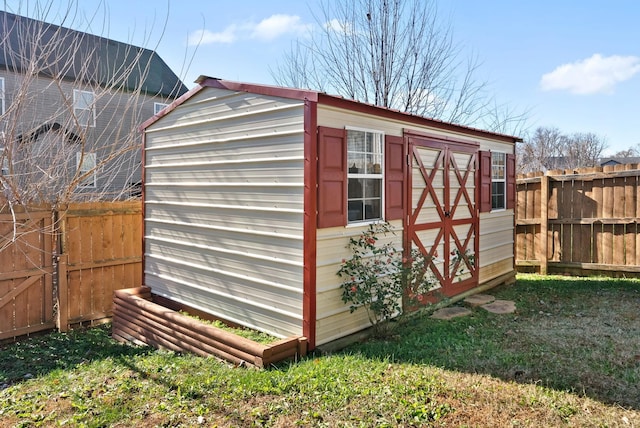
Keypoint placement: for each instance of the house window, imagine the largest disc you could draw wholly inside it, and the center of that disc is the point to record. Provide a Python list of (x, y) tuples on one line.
[(498, 180), (1, 95), (5, 160), (157, 107), (86, 164), (83, 107), (365, 175)]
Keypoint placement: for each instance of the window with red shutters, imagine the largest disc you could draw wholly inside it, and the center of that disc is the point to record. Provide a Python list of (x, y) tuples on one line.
[(352, 165)]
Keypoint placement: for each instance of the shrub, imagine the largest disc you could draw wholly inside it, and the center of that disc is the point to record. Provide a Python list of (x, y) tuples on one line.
[(377, 277)]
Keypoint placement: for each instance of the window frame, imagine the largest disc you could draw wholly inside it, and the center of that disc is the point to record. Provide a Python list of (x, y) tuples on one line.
[(157, 110), (91, 182), (498, 180), (381, 144), (4, 163), (2, 96), (78, 94)]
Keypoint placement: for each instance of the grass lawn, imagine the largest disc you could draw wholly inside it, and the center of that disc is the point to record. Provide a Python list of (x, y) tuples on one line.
[(569, 356)]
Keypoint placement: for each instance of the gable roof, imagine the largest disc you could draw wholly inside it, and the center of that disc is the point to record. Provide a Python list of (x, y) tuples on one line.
[(321, 97), (78, 56)]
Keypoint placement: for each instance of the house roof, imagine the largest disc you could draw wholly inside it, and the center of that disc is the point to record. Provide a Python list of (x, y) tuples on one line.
[(321, 97), (78, 56), (619, 160)]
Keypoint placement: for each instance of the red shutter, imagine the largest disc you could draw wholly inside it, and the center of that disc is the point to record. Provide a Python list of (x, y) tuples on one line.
[(511, 181), (394, 173), (332, 177), (485, 181)]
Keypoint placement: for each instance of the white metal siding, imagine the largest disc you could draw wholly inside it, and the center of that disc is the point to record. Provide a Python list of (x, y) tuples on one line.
[(333, 317), (224, 187)]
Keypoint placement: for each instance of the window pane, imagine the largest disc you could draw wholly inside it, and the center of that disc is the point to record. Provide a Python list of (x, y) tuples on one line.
[(372, 209), (356, 162), (373, 188), (356, 189), (497, 195), (355, 211)]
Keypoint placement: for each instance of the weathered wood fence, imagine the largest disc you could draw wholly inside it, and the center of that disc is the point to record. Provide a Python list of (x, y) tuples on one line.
[(60, 268), (579, 222)]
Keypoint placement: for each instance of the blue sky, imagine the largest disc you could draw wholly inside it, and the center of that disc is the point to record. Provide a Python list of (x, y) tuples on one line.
[(574, 65)]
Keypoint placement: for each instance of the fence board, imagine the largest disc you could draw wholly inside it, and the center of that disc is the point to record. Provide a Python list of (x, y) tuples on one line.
[(92, 239), (593, 217)]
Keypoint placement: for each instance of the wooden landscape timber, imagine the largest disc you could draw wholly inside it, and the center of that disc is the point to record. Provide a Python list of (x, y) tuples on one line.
[(137, 318)]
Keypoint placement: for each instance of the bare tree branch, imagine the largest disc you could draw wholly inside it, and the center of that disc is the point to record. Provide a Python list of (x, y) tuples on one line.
[(398, 54)]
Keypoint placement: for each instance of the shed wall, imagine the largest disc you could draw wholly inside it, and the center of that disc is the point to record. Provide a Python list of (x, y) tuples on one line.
[(224, 208), (495, 235)]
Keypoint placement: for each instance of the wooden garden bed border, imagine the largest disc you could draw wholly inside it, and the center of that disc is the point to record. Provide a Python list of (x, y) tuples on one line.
[(137, 318)]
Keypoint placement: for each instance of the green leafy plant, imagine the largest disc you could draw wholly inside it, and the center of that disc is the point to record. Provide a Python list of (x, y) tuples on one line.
[(377, 276), (373, 275)]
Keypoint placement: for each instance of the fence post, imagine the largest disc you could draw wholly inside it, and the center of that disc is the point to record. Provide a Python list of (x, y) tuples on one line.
[(544, 223), (63, 293)]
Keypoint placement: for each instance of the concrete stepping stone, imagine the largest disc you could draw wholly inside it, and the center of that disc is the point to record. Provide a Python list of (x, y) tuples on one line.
[(478, 300), (500, 307), (450, 312)]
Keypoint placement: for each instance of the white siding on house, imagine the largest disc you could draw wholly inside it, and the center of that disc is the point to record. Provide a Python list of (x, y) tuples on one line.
[(224, 187), (36, 102)]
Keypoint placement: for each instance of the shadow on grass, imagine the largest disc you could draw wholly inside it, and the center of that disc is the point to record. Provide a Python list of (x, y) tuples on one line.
[(39, 355), (569, 334)]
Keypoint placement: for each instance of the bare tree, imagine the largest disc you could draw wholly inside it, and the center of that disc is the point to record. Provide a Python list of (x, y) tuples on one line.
[(584, 149), (548, 148), (398, 54), (73, 103), (631, 152)]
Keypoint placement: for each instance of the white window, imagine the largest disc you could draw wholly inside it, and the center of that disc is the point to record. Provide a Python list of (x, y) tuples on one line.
[(84, 107), (86, 164), (2, 95), (365, 165), (157, 107), (498, 180)]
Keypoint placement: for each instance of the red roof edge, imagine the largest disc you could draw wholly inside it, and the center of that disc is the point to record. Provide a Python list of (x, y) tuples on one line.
[(169, 108), (340, 102), (277, 91), (332, 100)]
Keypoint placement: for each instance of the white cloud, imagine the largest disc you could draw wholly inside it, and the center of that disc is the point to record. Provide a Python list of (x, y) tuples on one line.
[(266, 30), (276, 26), (206, 37), (596, 74)]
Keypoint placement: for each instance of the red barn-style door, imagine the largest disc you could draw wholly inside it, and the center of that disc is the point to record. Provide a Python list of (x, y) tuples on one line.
[(442, 220)]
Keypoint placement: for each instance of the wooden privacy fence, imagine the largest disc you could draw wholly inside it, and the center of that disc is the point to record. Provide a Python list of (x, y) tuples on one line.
[(579, 222), (60, 268)]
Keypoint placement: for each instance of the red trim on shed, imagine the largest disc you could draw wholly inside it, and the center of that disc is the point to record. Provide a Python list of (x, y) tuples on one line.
[(511, 181), (395, 161), (484, 174), (332, 177), (310, 221)]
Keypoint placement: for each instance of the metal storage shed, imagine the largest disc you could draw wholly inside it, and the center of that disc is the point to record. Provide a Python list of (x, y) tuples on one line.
[(251, 193)]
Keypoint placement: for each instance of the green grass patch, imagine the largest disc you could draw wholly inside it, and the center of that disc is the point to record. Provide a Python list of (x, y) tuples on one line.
[(247, 333), (545, 365)]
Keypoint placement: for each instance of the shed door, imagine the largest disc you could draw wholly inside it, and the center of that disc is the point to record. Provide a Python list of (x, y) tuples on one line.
[(442, 222)]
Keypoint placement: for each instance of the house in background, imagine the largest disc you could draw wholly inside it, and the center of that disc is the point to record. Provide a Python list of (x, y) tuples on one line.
[(70, 105), (612, 161), (252, 193)]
